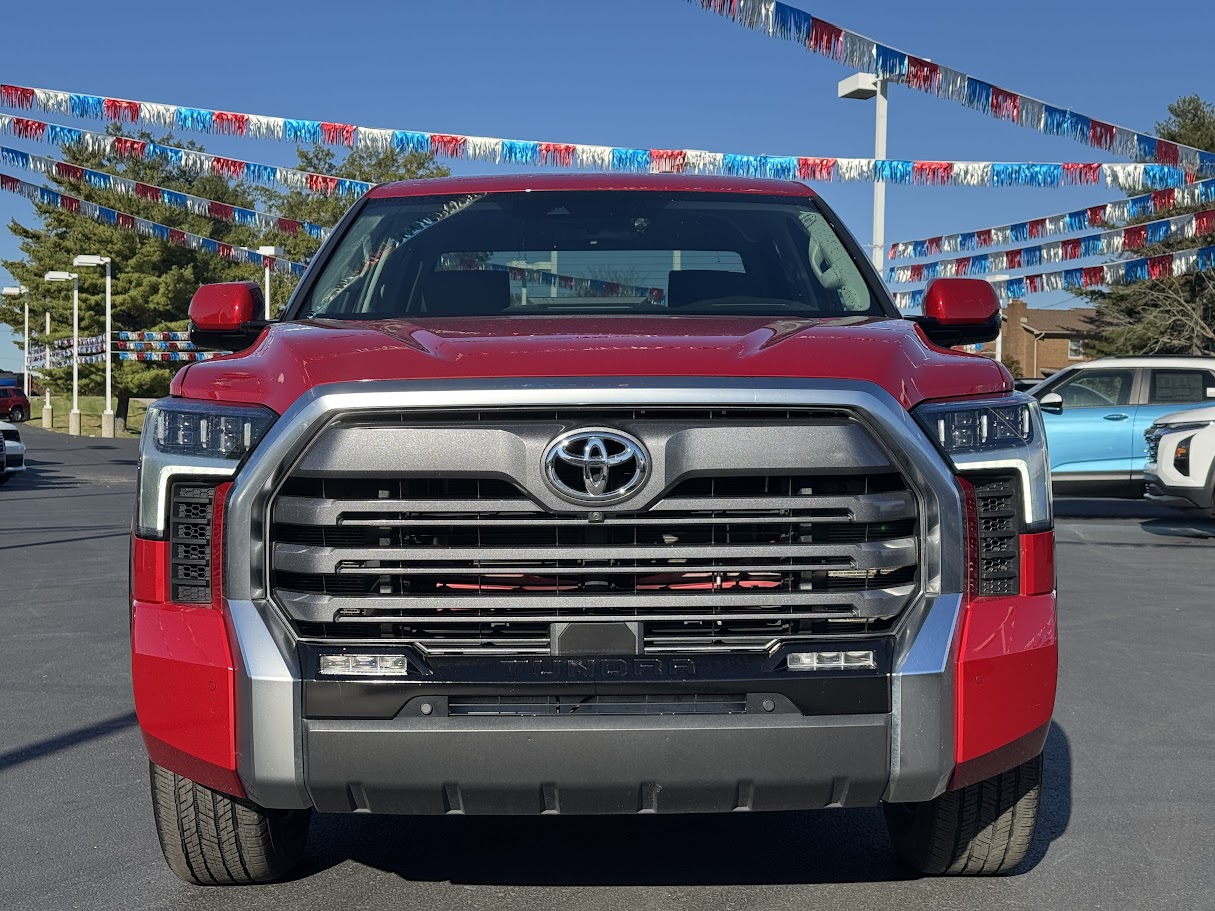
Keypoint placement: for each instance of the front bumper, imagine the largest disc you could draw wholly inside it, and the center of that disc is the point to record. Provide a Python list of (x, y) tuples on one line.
[(1177, 496), (286, 753), (705, 733), (597, 765)]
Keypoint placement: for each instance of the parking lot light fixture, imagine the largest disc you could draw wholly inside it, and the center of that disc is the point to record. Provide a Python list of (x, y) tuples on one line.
[(74, 414), (22, 291), (269, 252), (107, 415), (862, 87)]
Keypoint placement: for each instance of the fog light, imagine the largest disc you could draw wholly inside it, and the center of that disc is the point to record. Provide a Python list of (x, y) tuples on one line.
[(1181, 457), (364, 665), (832, 661)]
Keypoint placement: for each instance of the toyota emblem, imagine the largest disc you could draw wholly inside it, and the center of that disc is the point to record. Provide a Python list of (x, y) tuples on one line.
[(595, 466)]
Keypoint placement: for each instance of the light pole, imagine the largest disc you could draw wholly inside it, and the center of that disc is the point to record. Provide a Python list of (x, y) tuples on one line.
[(48, 412), (22, 291), (74, 414), (863, 86), (268, 252), (107, 415)]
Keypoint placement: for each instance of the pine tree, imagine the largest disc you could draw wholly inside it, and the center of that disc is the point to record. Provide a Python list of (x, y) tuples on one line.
[(154, 280), (1170, 315)]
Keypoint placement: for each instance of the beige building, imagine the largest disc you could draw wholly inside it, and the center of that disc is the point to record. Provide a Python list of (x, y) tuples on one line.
[(1037, 343)]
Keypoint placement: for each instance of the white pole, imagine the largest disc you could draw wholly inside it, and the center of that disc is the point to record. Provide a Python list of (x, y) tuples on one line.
[(267, 262), (27, 344), (107, 415), (74, 415), (879, 188), (47, 410)]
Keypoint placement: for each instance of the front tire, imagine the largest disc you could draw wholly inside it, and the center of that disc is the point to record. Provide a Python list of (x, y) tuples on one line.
[(17, 415), (211, 839), (984, 829)]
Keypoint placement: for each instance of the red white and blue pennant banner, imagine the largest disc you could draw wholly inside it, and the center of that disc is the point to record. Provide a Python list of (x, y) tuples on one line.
[(780, 20), (175, 236), (585, 157), (1110, 214), (152, 336), (160, 347), (188, 159), (1147, 268), (1105, 243), (166, 356), (263, 221)]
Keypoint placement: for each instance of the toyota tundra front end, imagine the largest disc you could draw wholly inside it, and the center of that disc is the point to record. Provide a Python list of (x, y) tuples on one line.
[(586, 495)]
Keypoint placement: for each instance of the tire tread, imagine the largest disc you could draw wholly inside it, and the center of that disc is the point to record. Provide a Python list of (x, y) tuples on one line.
[(211, 839), (983, 829)]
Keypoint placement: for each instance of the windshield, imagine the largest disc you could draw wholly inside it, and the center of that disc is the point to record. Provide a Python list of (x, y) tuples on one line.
[(594, 253)]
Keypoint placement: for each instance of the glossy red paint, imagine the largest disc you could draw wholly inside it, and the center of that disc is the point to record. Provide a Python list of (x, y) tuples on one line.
[(1038, 563), (1008, 662), (149, 570), (541, 182), (1007, 668), (292, 358), (960, 301), (182, 670), (225, 306)]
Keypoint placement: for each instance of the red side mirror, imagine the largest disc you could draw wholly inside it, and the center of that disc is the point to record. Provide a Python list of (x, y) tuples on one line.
[(960, 311), (226, 307), (960, 301), (226, 316)]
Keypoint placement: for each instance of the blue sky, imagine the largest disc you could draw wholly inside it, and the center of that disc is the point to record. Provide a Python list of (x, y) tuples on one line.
[(639, 73)]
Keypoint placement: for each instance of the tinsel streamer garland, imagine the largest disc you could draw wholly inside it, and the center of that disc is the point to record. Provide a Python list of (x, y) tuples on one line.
[(264, 221), (187, 159), (107, 216), (779, 20), (1106, 243), (170, 355), (688, 161), (1147, 268), (1108, 215), (152, 336)]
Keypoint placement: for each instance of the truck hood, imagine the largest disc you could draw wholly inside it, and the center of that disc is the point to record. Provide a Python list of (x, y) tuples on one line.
[(291, 358)]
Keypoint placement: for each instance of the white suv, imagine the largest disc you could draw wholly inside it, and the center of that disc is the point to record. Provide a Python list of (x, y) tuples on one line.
[(1180, 469), (12, 451)]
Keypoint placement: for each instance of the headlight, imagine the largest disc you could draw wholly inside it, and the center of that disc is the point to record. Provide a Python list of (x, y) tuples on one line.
[(186, 438), (191, 428), (1177, 428), (996, 434)]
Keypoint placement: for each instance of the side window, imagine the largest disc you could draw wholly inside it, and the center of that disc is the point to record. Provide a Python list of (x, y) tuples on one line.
[(1075, 348), (1097, 388), (1181, 387)]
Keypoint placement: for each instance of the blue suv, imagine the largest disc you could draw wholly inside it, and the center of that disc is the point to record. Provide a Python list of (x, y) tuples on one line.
[(1096, 414)]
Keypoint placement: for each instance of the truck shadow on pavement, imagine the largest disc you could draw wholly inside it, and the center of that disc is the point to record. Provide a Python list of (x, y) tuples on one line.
[(826, 846), (1155, 520)]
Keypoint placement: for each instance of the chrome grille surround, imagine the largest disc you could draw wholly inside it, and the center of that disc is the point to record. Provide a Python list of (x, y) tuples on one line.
[(268, 675), (430, 529)]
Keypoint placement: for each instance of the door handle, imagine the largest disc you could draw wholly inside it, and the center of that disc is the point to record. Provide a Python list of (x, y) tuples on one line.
[(1116, 417)]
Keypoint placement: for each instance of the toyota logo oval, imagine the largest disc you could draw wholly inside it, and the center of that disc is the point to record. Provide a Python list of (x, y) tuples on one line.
[(595, 466)]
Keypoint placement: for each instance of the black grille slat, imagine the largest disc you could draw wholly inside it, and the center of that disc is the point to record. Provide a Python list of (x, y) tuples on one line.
[(191, 509), (722, 559)]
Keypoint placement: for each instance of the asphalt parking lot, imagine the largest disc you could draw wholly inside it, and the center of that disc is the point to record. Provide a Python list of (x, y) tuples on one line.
[(1129, 811)]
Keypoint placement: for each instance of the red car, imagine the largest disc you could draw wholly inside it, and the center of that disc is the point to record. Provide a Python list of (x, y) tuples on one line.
[(14, 406), (593, 494)]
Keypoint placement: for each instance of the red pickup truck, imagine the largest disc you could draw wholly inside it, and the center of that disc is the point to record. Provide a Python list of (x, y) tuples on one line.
[(592, 494)]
